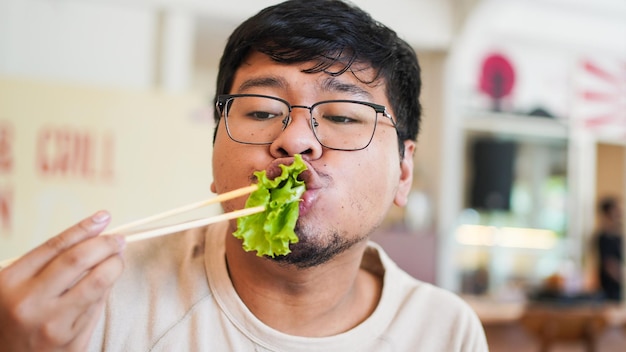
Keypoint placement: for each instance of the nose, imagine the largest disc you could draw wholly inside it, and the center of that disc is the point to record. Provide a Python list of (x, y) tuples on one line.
[(297, 137)]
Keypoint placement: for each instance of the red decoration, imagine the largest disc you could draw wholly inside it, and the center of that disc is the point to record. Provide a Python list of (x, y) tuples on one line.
[(604, 99), (497, 78)]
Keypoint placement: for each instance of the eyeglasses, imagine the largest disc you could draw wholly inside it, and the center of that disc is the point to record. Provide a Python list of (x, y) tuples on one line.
[(337, 124)]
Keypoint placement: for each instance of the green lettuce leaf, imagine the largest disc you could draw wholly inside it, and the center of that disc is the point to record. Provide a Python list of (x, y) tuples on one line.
[(270, 232)]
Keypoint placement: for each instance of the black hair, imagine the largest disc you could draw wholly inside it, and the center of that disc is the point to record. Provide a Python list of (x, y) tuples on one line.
[(326, 33), (607, 204)]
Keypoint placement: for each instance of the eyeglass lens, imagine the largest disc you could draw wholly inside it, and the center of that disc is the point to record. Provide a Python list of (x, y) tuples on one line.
[(336, 125)]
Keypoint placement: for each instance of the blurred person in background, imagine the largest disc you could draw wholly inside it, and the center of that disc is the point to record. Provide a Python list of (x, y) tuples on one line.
[(608, 244)]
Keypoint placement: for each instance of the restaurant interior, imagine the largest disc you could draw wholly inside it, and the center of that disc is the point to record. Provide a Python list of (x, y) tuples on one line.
[(524, 132)]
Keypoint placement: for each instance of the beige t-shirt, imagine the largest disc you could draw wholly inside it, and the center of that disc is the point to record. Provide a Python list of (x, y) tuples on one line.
[(175, 295)]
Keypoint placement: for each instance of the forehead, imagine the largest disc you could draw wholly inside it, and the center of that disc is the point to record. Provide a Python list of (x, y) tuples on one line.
[(260, 72)]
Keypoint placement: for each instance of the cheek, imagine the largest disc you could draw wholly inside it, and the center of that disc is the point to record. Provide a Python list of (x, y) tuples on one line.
[(223, 183), (372, 183), (229, 167), (234, 165)]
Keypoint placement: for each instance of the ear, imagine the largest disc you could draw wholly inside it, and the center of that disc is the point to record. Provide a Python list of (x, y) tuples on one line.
[(406, 175)]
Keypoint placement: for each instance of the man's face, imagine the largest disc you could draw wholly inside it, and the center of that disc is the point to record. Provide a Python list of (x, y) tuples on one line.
[(348, 192)]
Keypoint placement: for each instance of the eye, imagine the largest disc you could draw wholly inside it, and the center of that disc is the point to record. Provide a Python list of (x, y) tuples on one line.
[(262, 115), (340, 119), (342, 113)]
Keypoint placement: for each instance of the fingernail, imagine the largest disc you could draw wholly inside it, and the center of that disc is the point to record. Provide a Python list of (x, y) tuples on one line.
[(100, 217)]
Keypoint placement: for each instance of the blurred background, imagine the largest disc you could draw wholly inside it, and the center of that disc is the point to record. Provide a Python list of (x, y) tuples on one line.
[(108, 104)]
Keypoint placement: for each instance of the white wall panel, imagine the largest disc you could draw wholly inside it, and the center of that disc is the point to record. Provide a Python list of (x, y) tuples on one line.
[(75, 41)]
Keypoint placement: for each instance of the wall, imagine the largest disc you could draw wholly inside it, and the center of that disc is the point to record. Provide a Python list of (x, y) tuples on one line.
[(611, 170), (69, 150)]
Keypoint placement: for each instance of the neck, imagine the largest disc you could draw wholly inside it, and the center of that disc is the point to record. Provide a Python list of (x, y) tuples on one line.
[(321, 301)]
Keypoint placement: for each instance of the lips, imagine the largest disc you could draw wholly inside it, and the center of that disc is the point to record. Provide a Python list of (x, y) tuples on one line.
[(310, 177), (307, 200)]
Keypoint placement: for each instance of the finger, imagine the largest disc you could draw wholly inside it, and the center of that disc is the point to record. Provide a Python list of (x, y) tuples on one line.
[(67, 268), (72, 311), (65, 328), (77, 332), (94, 286), (85, 325), (32, 262)]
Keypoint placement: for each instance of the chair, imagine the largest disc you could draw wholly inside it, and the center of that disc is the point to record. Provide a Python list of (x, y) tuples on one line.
[(552, 323)]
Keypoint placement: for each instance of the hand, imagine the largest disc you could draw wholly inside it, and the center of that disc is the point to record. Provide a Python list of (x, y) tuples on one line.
[(52, 297)]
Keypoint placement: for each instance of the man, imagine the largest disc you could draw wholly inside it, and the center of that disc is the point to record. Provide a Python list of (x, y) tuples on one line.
[(315, 78), (609, 248)]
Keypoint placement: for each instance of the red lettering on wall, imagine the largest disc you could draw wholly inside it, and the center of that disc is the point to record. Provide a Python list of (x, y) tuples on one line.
[(72, 153), (108, 156), (6, 209), (6, 148)]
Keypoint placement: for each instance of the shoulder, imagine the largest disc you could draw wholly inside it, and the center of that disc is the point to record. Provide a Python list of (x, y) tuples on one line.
[(172, 262), (173, 247), (444, 316), (438, 318), (163, 281), (398, 281)]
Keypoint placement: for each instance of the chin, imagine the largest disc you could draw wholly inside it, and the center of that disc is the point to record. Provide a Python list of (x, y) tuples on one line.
[(311, 251)]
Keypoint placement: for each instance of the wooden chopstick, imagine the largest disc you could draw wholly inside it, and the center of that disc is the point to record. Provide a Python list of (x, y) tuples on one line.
[(220, 198), (160, 231)]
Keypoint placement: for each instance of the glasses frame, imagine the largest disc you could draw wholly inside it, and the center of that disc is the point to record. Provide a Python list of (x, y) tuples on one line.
[(223, 100)]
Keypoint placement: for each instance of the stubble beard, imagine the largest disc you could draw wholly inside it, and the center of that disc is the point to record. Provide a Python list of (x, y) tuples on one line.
[(314, 249)]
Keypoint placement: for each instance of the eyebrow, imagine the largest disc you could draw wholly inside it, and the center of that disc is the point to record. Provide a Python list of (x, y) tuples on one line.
[(262, 82), (331, 84)]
